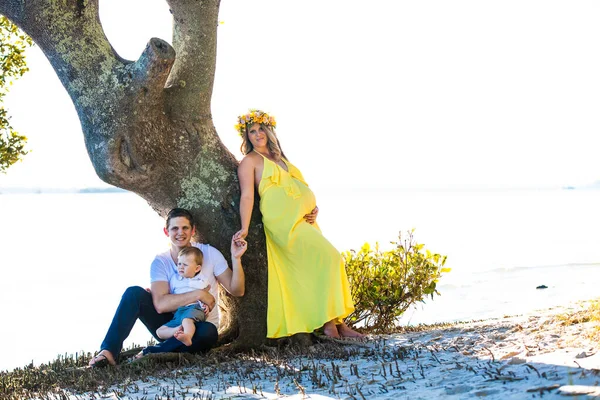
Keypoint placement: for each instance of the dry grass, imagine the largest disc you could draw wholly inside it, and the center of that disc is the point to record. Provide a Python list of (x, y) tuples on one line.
[(70, 374), (591, 314)]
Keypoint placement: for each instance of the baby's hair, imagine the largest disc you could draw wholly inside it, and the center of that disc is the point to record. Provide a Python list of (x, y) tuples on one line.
[(196, 252)]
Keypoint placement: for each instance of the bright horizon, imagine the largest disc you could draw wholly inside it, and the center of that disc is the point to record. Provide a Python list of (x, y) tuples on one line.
[(396, 95)]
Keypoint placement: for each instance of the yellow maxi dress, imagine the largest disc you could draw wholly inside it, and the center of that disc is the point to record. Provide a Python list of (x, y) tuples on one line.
[(308, 285)]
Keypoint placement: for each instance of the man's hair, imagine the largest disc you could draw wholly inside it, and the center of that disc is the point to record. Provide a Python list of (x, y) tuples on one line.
[(194, 251), (180, 212)]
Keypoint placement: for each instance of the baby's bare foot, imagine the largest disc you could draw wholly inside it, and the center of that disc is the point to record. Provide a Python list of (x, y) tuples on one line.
[(183, 338)]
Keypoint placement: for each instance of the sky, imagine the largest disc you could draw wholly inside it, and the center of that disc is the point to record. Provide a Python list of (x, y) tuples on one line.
[(368, 95)]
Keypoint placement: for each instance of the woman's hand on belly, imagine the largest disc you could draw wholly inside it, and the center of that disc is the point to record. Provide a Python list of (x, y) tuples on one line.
[(311, 218)]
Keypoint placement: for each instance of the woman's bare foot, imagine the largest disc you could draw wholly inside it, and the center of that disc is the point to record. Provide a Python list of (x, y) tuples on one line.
[(346, 332), (102, 359), (329, 329), (183, 338)]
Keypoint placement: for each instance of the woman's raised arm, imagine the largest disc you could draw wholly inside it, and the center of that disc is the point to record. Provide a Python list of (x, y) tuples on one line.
[(246, 178)]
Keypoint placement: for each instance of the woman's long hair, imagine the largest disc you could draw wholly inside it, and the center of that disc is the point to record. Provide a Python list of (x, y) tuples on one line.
[(272, 143)]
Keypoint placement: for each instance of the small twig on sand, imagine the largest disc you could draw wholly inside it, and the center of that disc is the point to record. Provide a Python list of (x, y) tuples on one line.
[(504, 378), (544, 388), (434, 356), (493, 358), (533, 368), (345, 342), (300, 388), (360, 393)]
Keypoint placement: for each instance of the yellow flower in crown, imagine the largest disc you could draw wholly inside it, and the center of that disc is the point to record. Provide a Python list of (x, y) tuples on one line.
[(254, 117)]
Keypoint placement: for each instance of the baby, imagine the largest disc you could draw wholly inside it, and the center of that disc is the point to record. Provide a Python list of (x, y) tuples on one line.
[(182, 326)]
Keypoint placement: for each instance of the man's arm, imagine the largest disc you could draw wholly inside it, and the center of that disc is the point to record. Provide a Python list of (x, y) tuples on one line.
[(166, 302), (233, 280)]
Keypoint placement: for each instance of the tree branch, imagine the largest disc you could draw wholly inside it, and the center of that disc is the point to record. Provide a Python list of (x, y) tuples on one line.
[(151, 70), (13, 10), (195, 40), (113, 97), (70, 35)]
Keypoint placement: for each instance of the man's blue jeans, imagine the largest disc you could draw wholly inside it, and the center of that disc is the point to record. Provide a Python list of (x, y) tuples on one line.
[(137, 303)]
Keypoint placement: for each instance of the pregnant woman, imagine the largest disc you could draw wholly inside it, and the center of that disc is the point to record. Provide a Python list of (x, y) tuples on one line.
[(307, 283)]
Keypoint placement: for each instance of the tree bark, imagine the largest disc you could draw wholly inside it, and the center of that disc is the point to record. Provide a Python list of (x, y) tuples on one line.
[(148, 127)]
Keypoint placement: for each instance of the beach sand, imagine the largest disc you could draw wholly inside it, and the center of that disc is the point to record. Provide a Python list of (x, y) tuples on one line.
[(518, 357)]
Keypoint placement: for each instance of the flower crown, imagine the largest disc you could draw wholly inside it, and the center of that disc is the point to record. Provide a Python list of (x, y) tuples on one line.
[(254, 117)]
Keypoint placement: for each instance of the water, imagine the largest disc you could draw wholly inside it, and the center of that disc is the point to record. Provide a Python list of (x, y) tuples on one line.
[(501, 292), (501, 244), (66, 258)]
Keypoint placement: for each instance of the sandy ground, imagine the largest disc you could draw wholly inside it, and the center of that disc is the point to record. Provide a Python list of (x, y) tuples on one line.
[(520, 357)]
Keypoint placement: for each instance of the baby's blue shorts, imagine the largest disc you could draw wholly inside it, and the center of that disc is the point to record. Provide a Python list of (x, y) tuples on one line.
[(193, 311)]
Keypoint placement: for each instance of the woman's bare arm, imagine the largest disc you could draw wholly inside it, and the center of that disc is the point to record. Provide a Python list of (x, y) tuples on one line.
[(246, 178)]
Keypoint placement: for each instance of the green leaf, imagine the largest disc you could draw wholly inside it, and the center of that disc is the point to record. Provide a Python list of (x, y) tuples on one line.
[(12, 65)]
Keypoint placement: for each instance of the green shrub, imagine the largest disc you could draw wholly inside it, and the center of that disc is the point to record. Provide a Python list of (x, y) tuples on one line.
[(385, 284)]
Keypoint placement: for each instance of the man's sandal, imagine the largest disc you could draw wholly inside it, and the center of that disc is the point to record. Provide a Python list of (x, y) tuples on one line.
[(100, 361)]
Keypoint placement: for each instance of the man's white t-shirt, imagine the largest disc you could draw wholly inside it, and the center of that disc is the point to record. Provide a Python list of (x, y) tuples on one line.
[(163, 269)]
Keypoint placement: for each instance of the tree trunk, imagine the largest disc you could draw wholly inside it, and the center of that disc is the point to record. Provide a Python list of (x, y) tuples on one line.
[(148, 127)]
